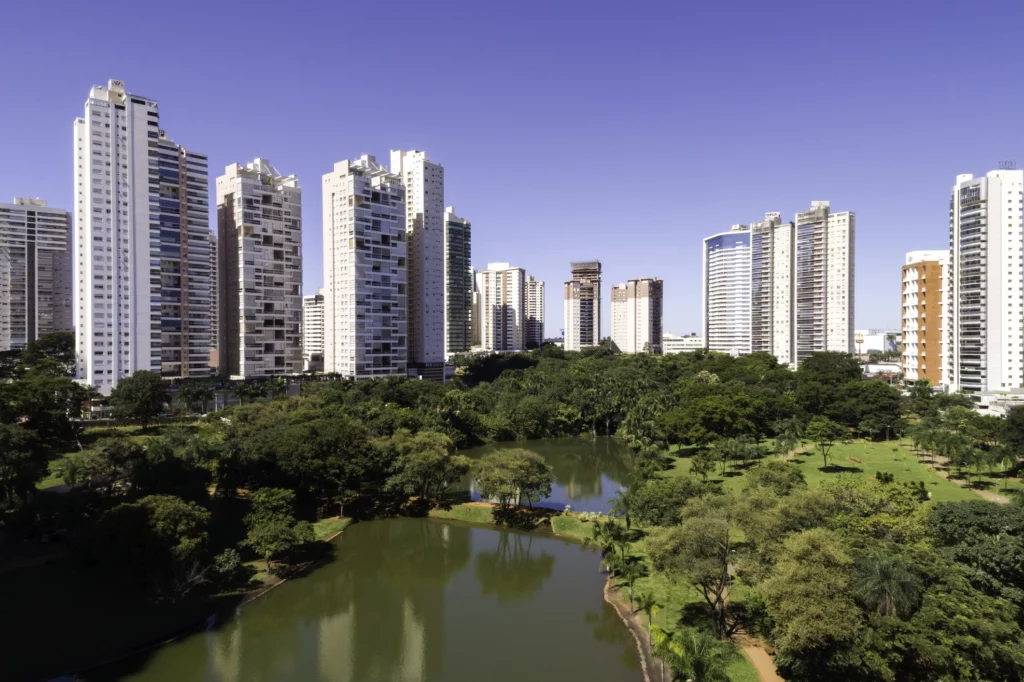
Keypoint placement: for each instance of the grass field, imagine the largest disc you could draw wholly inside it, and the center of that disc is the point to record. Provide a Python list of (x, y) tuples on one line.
[(861, 458), (325, 528)]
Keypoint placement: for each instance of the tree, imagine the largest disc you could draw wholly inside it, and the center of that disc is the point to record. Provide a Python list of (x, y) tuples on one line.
[(193, 393), (140, 397), (621, 506), (704, 462), (776, 475), (510, 475), (693, 655), (884, 582), (648, 605), (1013, 429), (22, 463), (699, 551), (271, 525), (660, 501), (824, 433), (427, 463), (56, 350)]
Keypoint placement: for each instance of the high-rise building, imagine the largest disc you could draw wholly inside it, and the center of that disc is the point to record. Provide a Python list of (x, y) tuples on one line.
[(313, 332), (726, 318), (259, 271), (475, 332), (583, 306), (458, 290), (502, 307), (771, 287), (985, 283), (5, 300), (141, 245), (38, 279), (636, 316), (214, 306), (824, 282), (425, 232), (534, 312), (365, 296)]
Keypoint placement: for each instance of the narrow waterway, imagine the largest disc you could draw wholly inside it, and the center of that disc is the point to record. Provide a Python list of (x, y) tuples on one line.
[(416, 600)]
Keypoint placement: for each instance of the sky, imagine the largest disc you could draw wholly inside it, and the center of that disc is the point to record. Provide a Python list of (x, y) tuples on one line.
[(622, 131)]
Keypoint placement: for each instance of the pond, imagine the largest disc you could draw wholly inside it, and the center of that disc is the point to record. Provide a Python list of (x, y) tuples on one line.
[(409, 600), (588, 471)]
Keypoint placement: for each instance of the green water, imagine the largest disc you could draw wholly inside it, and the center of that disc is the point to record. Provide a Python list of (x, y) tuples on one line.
[(417, 599), (587, 471)]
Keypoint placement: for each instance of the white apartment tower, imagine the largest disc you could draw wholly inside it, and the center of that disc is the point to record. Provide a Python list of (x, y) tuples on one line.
[(502, 307), (259, 273), (985, 284), (313, 332), (141, 245), (824, 282), (458, 289), (36, 290), (365, 297), (726, 296), (771, 291), (636, 316), (582, 313), (923, 316), (426, 232), (534, 313)]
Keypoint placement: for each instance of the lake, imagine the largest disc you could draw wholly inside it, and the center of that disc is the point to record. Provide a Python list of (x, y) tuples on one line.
[(412, 599), (587, 471)]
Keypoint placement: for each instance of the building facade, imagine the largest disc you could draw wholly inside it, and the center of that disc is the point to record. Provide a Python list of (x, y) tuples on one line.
[(313, 332), (636, 316), (365, 257), (923, 317), (673, 343), (425, 241), (726, 292), (36, 291), (771, 287), (582, 313), (141, 244), (824, 281), (503, 304), (985, 283), (259, 263), (534, 313), (458, 277)]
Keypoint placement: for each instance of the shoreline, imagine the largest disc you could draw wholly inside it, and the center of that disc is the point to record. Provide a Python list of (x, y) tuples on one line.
[(633, 624)]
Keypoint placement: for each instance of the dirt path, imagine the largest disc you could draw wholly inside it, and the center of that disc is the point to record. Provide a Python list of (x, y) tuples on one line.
[(761, 661), (937, 460)]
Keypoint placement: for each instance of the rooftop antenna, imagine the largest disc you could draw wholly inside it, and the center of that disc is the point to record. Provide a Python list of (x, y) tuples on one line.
[(1007, 164)]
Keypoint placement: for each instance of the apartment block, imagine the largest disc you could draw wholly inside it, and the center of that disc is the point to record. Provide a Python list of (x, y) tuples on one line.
[(534, 313), (313, 332), (259, 264), (503, 307), (985, 283), (458, 277), (365, 259), (582, 313), (141, 244), (36, 291), (726, 291), (637, 315), (425, 239), (824, 280), (772, 266)]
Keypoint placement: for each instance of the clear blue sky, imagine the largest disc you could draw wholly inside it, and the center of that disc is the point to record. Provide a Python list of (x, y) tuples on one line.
[(622, 131)]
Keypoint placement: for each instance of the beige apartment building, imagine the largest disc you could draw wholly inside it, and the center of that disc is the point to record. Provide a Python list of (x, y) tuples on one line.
[(636, 316)]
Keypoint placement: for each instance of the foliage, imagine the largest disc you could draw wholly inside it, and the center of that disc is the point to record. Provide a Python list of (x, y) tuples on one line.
[(776, 475), (824, 433), (509, 476), (660, 501), (693, 655), (22, 463), (272, 529), (140, 397)]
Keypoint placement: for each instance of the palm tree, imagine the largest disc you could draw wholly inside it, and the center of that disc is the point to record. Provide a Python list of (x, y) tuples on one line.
[(645, 603), (693, 655), (630, 572), (621, 505), (884, 582), (1007, 458)]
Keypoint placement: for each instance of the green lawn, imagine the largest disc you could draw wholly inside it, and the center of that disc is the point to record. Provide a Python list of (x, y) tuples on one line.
[(570, 526), (53, 478), (474, 513), (902, 463), (325, 528)]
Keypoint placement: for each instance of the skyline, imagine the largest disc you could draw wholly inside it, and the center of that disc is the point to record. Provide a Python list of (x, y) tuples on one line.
[(545, 127)]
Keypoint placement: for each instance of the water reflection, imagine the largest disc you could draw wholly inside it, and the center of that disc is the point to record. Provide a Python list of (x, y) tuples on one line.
[(587, 471), (400, 603), (513, 571)]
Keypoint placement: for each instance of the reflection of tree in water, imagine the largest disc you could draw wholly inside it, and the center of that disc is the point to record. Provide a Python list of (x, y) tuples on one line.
[(608, 628), (511, 571), (376, 613)]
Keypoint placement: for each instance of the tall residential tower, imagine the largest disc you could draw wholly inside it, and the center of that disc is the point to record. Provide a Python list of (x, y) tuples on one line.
[(726, 316), (365, 296), (985, 285), (313, 332), (583, 306), (259, 271), (503, 304), (636, 316), (458, 290), (37, 273), (534, 313), (923, 314)]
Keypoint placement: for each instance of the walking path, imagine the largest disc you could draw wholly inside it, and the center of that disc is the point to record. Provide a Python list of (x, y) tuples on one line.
[(763, 663)]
